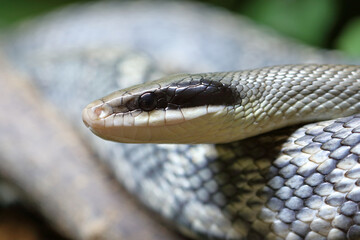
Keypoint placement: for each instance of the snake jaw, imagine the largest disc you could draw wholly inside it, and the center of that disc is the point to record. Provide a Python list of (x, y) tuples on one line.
[(157, 126)]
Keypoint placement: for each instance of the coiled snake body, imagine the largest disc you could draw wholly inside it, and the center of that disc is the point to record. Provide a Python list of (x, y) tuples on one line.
[(297, 183), (310, 190)]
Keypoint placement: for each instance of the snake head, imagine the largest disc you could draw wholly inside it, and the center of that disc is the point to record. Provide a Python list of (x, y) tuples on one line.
[(177, 109), (224, 107)]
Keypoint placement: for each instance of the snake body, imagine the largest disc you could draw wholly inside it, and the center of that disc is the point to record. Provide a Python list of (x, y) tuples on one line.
[(288, 184), (307, 186)]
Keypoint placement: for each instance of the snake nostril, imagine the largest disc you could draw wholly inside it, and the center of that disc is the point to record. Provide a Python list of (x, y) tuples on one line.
[(101, 111), (98, 111), (95, 112)]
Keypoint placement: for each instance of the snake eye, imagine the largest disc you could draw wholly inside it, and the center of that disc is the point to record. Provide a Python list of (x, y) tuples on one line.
[(147, 101)]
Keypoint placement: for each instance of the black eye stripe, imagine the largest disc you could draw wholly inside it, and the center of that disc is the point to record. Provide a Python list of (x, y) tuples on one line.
[(186, 95), (199, 93)]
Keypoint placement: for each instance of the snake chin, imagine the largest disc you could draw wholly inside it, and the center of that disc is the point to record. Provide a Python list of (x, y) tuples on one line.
[(189, 125)]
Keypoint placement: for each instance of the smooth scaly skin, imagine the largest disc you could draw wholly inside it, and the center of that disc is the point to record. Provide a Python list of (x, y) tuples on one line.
[(86, 51), (311, 190), (264, 99)]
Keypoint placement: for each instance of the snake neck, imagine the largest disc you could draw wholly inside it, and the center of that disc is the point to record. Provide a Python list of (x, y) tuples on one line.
[(280, 96)]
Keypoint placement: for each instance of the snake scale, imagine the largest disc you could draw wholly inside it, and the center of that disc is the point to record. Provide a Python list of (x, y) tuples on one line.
[(295, 183), (311, 189)]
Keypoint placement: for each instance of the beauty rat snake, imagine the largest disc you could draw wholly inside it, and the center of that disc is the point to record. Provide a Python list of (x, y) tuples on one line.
[(311, 190), (293, 183)]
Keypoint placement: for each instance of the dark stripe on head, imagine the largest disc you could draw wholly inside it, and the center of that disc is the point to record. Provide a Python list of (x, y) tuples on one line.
[(188, 94)]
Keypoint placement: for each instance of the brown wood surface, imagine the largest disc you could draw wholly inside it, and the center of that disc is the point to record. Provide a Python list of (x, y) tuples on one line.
[(59, 176)]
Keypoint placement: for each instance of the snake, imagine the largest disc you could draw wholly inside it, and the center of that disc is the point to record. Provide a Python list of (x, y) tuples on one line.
[(310, 190), (296, 182)]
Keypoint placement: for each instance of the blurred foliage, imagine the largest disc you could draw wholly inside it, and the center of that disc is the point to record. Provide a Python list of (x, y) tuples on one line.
[(349, 39), (17, 10), (307, 20), (322, 23)]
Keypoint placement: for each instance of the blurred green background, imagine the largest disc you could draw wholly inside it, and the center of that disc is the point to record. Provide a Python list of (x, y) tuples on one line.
[(333, 24)]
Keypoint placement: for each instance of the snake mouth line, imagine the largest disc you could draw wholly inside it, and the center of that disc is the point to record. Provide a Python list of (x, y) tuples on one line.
[(103, 114), (157, 126)]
